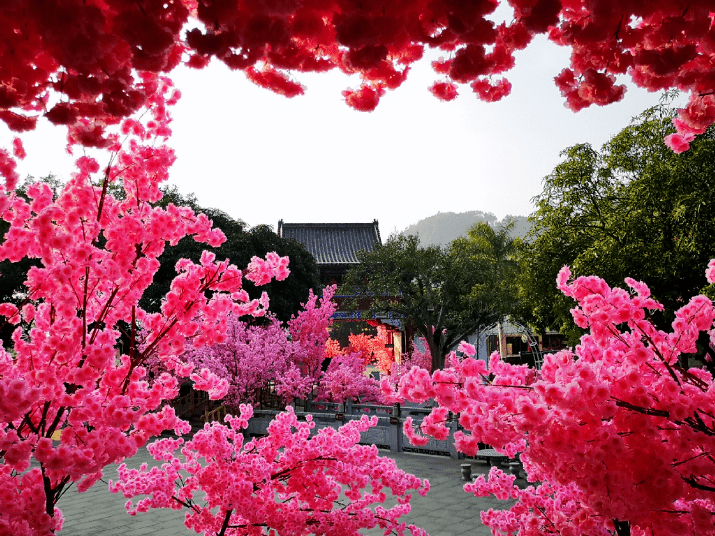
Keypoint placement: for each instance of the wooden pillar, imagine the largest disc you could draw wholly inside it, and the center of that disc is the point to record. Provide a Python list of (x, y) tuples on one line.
[(502, 340)]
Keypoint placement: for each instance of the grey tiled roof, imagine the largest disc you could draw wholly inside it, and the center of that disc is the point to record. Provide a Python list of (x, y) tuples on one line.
[(333, 243)]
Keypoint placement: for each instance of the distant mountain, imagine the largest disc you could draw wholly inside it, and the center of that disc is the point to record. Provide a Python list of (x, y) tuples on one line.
[(443, 227)]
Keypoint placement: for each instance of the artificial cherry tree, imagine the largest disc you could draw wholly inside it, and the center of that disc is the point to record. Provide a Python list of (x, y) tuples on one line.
[(79, 63), (346, 380), (250, 359), (288, 356), (616, 435), (69, 378), (286, 483), (64, 376), (309, 328)]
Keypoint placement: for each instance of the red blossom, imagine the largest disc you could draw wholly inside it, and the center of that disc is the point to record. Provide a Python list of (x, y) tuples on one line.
[(490, 93), (275, 81), (468, 63), (17, 122), (364, 99), (444, 91), (515, 35), (442, 66), (364, 58), (17, 148), (89, 58)]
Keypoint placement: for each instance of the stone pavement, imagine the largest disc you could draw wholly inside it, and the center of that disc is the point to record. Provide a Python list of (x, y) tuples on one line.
[(446, 510)]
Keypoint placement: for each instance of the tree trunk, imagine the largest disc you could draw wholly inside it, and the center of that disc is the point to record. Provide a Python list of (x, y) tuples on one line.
[(623, 528), (435, 344)]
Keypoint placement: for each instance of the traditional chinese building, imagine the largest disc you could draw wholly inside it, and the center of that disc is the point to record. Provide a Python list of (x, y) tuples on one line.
[(518, 345), (335, 248)]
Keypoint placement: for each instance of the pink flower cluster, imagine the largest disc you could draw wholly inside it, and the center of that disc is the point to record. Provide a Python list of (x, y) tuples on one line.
[(310, 329), (346, 379), (262, 271), (289, 482), (616, 433), (422, 359), (251, 358)]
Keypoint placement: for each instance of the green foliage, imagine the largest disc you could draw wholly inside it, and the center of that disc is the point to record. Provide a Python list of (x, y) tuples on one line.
[(493, 253), (634, 209), (447, 294), (241, 245)]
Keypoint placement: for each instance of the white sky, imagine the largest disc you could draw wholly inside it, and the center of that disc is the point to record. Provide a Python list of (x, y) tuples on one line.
[(261, 157)]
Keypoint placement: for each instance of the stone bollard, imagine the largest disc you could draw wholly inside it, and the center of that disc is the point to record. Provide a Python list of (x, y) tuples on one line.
[(515, 468), (466, 472)]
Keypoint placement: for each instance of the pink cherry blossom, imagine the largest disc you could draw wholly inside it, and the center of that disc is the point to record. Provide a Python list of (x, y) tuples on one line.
[(614, 435), (68, 375), (292, 481), (346, 379)]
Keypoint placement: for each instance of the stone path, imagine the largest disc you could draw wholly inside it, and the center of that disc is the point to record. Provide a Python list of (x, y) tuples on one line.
[(446, 510)]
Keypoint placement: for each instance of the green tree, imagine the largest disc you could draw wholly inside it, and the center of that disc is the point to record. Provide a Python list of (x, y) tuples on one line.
[(242, 243), (634, 208), (495, 253), (438, 290)]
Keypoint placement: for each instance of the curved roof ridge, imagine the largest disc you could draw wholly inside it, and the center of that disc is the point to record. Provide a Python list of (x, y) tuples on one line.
[(333, 243)]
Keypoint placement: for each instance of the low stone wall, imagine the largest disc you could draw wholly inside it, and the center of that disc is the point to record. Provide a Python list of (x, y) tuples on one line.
[(388, 433)]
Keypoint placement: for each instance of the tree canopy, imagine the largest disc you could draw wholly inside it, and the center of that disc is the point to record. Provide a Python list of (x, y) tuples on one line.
[(89, 64), (494, 253), (614, 436), (447, 294), (634, 209)]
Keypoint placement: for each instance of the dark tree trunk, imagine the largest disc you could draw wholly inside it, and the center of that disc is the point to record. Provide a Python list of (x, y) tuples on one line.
[(623, 528), (435, 344)]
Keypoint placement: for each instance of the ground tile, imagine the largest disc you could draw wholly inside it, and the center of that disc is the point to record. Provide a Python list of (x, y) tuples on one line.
[(446, 511)]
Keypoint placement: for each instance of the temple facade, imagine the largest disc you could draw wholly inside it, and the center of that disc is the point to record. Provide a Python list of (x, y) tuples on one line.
[(335, 248)]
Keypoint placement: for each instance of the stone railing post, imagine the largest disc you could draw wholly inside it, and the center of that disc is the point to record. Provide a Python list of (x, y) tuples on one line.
[(453, 426), (396, 421)]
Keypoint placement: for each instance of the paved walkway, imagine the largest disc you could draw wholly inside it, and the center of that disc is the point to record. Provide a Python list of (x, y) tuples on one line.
[(446, 510)]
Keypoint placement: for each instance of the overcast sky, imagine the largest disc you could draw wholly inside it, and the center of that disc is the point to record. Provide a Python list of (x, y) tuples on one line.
[(261, 157)]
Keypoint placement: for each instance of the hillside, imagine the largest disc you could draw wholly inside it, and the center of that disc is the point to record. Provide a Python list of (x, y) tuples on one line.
[(443, 227)]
